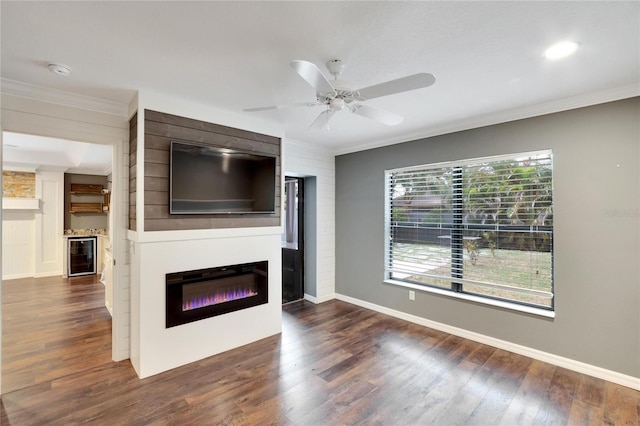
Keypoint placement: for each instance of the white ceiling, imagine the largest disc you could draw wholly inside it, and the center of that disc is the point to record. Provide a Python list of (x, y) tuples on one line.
[(487, 57), (30, 153)]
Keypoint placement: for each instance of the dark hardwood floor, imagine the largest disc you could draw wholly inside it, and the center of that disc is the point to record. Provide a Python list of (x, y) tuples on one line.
[(52, 327), (334, 363)]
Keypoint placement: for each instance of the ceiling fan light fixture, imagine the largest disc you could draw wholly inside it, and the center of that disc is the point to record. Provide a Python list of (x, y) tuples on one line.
[(337, 104), (561, 50), (60, 69)]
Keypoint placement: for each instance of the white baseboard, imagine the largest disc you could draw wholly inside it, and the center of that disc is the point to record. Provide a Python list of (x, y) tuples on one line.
[(580, 367), (16, 276), (33, 275), (48, 274), (321, 299), (311, 298)]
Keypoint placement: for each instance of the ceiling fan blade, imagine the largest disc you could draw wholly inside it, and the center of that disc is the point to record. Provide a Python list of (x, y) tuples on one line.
[(274, 107), (322, 121), (412, 82), (312, 75), (381, 116)]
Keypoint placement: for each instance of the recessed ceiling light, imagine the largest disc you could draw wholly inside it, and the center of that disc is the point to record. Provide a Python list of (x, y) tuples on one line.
[(561, 50), (60, 69)]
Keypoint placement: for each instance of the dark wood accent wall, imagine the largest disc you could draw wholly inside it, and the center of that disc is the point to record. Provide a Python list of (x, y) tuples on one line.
[(133, 149), (160, 130)]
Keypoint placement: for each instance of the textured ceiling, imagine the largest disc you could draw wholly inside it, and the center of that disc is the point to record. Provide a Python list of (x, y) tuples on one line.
[(487, 57)]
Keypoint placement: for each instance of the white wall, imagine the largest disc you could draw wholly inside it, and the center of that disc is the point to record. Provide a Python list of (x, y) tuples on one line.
[(303, 160)]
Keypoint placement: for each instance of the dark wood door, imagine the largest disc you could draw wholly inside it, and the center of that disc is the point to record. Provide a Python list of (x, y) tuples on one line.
[(293, 241)]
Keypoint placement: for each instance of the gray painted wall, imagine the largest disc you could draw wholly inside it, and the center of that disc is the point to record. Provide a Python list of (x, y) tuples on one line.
[(597, 232)]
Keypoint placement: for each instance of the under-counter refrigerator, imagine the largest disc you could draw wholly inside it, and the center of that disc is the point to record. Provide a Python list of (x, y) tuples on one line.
[(81, 256)]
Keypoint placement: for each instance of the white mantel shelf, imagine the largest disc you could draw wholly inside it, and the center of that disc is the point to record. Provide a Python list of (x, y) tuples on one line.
[(20, 203)]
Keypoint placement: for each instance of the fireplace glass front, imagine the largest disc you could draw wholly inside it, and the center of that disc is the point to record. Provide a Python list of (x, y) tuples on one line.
[(204, 293)]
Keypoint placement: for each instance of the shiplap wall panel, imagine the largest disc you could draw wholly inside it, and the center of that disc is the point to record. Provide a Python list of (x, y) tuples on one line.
[(207, 138), (178, 121), (155, 184), (156, 156), (133, 147), (304, 160), (160, 130), (122, 277), (204, 223)]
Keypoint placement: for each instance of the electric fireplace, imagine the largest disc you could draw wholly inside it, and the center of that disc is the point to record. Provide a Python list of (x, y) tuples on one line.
[(205, 293)]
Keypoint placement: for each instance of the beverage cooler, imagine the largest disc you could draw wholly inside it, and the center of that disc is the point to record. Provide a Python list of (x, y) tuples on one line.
[(81, 256)]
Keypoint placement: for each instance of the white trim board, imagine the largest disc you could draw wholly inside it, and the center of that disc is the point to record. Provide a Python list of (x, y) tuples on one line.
[(318, 300), (61, 97), (16, 276), (580, 367), (20, 203)]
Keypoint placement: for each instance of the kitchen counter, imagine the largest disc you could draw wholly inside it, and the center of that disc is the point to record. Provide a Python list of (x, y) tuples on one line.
[(83, 232)]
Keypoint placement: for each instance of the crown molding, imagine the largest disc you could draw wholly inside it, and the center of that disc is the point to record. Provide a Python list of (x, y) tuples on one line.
[(60, 97), (559, 105)]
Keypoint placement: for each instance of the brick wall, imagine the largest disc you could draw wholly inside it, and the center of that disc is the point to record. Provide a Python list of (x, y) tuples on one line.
[(18, 185)]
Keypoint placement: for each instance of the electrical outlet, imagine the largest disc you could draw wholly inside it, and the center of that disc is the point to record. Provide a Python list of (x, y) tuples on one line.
[(412, 295)]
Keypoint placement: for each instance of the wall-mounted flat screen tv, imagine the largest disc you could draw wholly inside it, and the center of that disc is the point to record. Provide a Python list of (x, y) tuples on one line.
[(213, 180)]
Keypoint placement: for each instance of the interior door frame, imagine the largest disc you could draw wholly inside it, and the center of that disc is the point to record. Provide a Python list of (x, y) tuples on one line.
[(56, 121), (301, 228)]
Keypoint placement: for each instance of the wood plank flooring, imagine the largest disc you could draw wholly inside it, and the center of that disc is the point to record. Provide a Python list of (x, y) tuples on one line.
[(52, 327), (334, 363)]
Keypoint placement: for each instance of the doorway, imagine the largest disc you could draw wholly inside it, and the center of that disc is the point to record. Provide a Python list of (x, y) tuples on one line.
[(293, 240), (53, 325)]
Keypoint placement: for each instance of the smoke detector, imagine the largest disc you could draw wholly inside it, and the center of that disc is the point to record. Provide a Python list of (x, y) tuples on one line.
[(60, 69)]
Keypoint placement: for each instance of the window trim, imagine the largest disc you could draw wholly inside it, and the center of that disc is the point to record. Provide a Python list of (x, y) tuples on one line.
[(499, 303), (455, 290)]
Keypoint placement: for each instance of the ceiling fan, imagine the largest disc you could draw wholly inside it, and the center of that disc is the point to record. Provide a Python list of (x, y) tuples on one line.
[(337, 95)]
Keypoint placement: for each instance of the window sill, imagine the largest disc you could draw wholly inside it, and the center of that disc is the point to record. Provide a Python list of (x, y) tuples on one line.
[(477, 299)]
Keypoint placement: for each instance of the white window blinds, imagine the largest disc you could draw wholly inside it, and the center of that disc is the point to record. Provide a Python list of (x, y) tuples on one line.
[(482, 226)]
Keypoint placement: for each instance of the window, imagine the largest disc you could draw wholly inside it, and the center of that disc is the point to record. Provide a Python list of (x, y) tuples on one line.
[(482, 227)]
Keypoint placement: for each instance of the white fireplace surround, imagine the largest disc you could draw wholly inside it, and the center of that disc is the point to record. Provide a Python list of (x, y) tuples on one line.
[(155, 348)]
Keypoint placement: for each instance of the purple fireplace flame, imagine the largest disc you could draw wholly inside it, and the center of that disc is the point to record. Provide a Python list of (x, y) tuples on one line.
[(218, 297)]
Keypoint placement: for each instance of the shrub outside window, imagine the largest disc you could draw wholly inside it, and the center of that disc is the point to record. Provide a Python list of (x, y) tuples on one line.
[(481, 226)]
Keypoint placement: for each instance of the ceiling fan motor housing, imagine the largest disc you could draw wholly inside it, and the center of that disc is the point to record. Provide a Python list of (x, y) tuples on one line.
[(335, 67), (343, 91)]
